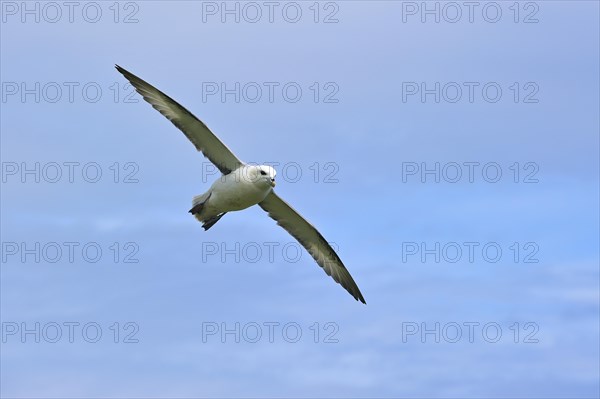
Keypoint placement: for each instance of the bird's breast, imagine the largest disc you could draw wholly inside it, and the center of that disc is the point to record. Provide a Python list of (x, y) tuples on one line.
[(233, 194)]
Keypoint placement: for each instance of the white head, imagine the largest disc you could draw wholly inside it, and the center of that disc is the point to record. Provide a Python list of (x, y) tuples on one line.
[(261, 174)]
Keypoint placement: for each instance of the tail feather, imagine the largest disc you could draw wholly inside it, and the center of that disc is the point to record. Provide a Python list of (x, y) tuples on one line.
[(208, 223), (198, 206), (198, 203)]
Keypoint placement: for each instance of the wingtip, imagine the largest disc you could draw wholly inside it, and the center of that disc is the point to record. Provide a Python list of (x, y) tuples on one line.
[(357, 295), (122, 70)]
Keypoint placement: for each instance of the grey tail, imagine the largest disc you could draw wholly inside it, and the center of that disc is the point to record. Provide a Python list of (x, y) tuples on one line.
[(208, 223), (198, 206), (196, 209), (198, 203)]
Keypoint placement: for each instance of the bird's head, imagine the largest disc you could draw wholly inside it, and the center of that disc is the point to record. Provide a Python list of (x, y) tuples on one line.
[(263, 174)]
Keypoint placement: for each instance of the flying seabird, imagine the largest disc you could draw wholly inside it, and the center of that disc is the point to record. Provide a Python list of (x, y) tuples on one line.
[(242, 186)]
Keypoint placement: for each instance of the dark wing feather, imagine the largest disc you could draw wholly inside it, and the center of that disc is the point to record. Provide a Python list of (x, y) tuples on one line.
[(312, 240), (195, 130)]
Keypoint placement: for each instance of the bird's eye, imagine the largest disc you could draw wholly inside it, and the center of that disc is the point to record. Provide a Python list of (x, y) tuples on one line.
[(262, 172)]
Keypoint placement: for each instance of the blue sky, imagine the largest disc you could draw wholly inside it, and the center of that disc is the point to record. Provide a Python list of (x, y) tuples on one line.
[(355, 143)]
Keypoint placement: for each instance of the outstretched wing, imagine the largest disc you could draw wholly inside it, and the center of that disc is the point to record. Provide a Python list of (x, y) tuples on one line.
[(312, 240), (195, 130)]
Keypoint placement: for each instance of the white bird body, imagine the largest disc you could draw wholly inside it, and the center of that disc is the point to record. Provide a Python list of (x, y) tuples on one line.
[(242, 186)]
